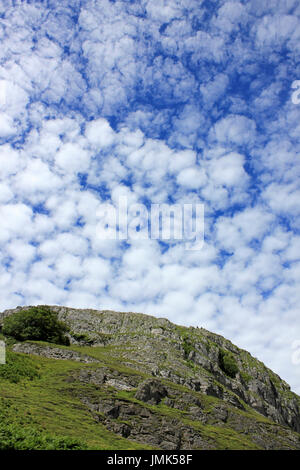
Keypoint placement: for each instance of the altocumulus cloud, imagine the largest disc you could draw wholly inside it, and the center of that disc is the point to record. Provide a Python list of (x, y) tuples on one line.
[(176, 101)]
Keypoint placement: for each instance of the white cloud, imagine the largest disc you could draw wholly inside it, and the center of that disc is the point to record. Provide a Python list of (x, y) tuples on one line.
[(234, 129), (7, 127), (16, 219), (10, 160), (99, 134), (35, 180), (214, 89), (195, 98), (228, 170), (273, 30), (72, 158), (192, 178), (230, 16), (244, 227)]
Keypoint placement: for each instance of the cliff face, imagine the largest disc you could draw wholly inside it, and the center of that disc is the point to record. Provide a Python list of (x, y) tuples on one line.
[(170, 387)]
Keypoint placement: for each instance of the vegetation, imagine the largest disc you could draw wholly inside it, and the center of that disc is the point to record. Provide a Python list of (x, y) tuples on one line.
[(187, 346), (49, 410), (37, 323), (227, 363), (21, 433), (16, 437), (82, 337), (18, 367), (48, 403), (245, 377)]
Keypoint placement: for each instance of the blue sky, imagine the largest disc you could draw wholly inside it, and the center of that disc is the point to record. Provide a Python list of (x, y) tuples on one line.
[(158, 101)]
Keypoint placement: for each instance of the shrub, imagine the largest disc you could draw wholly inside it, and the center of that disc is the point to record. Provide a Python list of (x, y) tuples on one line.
[(82, 337), (36, 323), (227, 363), (18, 431), (187, 347), (17, 368), (16, 437), (245, 377)]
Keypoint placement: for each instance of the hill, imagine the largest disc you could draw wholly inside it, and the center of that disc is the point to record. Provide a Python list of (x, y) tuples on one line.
[(133, 381)]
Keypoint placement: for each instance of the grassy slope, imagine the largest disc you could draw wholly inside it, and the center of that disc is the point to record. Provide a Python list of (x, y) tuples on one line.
[(48, 403), (51, 403)]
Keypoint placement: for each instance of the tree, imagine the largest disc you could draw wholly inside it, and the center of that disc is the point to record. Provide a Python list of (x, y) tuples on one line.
[(36, 323)]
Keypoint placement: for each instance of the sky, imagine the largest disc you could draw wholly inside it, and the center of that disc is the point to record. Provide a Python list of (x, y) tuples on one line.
[(159, 101)]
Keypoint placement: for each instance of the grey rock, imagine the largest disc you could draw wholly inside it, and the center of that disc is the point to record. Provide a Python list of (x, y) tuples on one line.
[(52, 352), (158, 351), (151, 391)]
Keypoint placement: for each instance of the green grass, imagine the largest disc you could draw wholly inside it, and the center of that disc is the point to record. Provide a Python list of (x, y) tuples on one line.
[(41, 406), (18, 367), (26, 435), (55, 409)]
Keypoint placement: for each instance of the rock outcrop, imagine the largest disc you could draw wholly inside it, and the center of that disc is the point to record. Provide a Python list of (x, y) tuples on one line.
[(171, 367)]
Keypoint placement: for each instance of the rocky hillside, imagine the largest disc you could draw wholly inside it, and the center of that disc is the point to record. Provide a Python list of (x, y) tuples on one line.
[(130, 380)]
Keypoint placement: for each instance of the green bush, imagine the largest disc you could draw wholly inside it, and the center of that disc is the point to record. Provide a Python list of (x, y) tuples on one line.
[(227, 363), (18, 431), (16, 437), (187, 347), (82, 337), (18, 367), (36, 323), (245, 377)]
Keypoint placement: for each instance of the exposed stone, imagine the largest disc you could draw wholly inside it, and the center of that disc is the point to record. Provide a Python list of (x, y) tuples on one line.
[(155, 347), (52, 352), (151, 391)]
